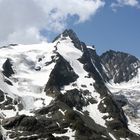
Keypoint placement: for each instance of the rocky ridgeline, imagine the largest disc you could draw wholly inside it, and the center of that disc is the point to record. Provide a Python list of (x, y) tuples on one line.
[(120, 66)]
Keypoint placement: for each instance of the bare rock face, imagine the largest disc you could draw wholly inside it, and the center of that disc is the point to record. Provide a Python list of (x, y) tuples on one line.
[(1, 136), (61, 75), (96, 60), (1, 96), (7, 68), (6, 102), (120, 66)]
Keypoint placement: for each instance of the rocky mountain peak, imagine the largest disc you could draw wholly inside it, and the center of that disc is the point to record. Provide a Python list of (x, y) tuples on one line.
[(72, 35), (120, 66)]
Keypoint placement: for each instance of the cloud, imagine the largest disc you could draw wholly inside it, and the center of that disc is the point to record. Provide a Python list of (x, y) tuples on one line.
[(122, 3), (21, 21), (29, 36)]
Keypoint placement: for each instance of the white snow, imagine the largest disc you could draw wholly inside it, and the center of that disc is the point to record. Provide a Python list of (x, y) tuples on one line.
[(124, 139), (29, 136), (63, 112), (133, 84), (133, 126), (95, 114), (4, 133), (70, 133), (112, 136), (131, 90), (28, 84), (90, 47), (71, 54)]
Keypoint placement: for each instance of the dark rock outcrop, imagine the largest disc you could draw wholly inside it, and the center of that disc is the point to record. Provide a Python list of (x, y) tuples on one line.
[(121, 100), (7, 68), (95, 58), (1, 96), (8, 103), (61, 75), (87, 60), (12, 122), (1, 137), (73, 98), (120, 66)]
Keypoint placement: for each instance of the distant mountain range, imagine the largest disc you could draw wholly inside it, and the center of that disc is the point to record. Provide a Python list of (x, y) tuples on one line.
[(65, 91)]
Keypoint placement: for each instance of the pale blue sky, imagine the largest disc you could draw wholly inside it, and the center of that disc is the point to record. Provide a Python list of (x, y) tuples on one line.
[(109, 30)]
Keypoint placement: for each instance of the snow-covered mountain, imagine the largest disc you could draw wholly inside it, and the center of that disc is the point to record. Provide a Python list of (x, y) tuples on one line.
[(60, 91), (123, 71)]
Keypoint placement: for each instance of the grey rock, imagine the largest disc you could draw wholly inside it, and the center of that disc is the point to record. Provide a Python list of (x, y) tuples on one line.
[(120, 66), (7, 68)]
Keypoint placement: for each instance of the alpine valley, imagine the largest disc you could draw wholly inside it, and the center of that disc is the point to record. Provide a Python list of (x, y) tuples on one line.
[(65, 91)]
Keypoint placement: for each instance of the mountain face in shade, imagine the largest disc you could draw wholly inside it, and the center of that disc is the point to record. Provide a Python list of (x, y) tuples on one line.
[(59, 91), (123, 71), (120, 66)]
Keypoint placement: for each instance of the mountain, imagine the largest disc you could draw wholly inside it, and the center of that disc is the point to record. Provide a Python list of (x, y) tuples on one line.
[(59, 91), (123, 71), (120, 66)]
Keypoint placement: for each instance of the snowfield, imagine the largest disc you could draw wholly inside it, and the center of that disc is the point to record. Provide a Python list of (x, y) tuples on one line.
[(28, 83), (130, 90)]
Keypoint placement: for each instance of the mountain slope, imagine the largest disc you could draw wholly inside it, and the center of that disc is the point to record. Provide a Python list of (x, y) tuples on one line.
[(123, 71), (120, 66), (57, 91)]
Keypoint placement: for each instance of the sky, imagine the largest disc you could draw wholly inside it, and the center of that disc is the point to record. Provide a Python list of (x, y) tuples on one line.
[(107, 24)]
